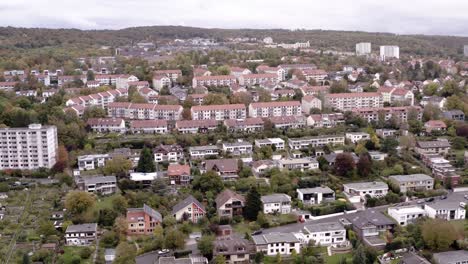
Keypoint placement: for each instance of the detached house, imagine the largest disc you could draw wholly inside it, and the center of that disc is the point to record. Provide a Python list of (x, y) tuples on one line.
[(170, 153), (189, 209), (370, 225), (81, 235), (179, 174), (277, 243), (413, 182), (317, 195), (276, 203), (226, 168), (435, 125), (323, 234), (229, 204), (432, 147), (235, 249), (359, 190)]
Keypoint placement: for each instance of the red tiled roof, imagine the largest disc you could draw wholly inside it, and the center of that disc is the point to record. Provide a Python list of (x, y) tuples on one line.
[(177, 170), (218, 107), (247, 122), (435, 123), (309, 98), (259, 75), (196, 123), (347, 95), (105, 121), (215, 77), (275, 104), (285, 119), (148, 123)]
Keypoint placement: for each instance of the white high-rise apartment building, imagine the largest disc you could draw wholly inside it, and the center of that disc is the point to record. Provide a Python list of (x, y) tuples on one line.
[(388, 52), (363, 48), (465, 50), (29, 148)]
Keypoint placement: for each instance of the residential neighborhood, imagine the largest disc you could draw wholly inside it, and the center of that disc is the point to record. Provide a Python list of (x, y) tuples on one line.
[(220, 147)]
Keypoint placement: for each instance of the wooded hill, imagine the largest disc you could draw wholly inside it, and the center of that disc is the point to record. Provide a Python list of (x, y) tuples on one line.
[(13, 40)]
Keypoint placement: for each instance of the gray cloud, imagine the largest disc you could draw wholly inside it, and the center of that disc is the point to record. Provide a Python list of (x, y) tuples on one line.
[(404, 17)]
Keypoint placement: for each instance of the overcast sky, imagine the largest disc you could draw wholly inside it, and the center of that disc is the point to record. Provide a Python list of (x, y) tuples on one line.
[(447, 17)]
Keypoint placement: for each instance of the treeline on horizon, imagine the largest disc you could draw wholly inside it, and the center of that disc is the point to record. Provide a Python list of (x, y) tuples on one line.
[(15, 43)]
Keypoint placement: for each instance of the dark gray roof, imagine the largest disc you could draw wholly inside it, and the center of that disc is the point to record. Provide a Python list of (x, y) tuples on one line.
[(275, 198), (366, 185), (99, 179), (92, 227), (413, 258), (369, 217), (322, 227), (451, 257), (316, 190), (232, 245), (185, 203), (433, 144), (411, 177), (147, 258), (274, 238)]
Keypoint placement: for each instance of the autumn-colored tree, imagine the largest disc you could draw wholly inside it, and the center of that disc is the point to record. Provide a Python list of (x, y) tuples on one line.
[(62, 159), (364, 165), (241, 98), (215, 99)]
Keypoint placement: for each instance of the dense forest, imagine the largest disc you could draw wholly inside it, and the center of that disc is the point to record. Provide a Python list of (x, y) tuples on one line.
[(15, 42)]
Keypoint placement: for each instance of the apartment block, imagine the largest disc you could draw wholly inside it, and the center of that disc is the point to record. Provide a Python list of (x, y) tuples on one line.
[(389, 52), (350, 101), (219, 112), (214, 80), (31, 147), (257, 79), (363, 48), (274, 109), (144, 111)]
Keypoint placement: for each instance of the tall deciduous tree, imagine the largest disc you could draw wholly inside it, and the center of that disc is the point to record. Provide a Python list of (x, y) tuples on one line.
[(253, 204), (117, 165), (209, 181), (78, 203), (438, 234), (364, 165), (344, 163), (146, 162)]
